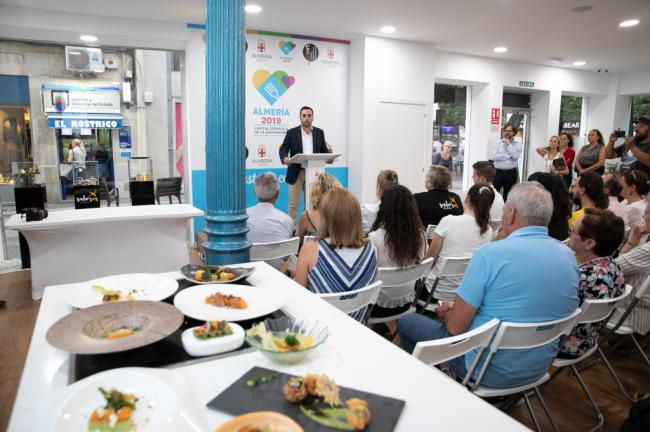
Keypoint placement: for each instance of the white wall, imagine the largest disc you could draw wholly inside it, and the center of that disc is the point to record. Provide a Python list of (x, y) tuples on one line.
[(635, 83)]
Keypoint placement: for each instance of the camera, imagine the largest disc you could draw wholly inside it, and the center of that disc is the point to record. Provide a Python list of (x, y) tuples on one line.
[(35, 214), (619, 133)]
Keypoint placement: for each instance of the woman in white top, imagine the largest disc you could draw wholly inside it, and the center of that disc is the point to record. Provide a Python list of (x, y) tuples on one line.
[(385, 179), (635, 187), (551, 153), (398, 235), (460, 236), (613, 190)]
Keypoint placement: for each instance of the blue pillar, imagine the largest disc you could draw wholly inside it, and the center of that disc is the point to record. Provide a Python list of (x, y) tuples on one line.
[(224, 133)]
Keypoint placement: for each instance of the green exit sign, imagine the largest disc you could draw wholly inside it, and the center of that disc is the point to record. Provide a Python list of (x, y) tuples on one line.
[(526, 84)]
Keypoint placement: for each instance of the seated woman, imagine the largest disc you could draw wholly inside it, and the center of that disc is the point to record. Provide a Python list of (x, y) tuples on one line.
[(558, 227), (550, 154), (341, 260), (635, 186), (460, 236), (309, 220), (613, 189), (437, 202), (595, 236), (401, 241), (385, 179)]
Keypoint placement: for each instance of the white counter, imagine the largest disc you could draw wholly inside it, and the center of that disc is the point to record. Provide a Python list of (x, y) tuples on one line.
[(77, 245), (352, 355)]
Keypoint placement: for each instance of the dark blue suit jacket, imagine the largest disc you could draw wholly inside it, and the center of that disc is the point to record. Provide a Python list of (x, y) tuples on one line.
[(292, 145)]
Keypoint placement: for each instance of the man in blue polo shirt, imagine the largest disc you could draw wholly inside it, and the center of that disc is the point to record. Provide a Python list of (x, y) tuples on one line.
[(527, 277)]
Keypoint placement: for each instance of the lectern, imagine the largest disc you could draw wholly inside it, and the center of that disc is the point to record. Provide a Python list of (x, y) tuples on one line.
[(313, 164)]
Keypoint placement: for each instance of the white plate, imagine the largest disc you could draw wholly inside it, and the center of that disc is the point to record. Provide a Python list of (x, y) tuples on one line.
[(261, 301), (204, 347), (149, 287), (158, 409)]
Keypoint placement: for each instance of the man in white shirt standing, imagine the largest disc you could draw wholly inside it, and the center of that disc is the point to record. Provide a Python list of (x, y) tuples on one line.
[(505, 154), (265, 222), (484, 172)]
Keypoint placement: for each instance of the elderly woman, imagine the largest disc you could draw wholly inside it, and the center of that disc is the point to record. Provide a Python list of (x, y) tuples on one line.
[(437, 202), (309, 220), (385, 179), (444, 157), (341, 260), (595, 236)]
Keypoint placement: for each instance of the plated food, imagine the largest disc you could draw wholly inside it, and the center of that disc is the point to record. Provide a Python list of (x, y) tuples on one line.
[(127, 287), (262, 421), (115, 414), (283, 341), (212, 329), (213, 337), (226, 300), (204, 274)]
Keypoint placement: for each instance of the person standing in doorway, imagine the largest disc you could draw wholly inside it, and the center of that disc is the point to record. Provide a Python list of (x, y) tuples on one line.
[(77, 157), (506, 154), (304, 139)]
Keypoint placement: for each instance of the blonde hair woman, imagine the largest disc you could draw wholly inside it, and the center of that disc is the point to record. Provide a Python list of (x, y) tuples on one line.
[(341, 260), (551, 153), (309, 220)]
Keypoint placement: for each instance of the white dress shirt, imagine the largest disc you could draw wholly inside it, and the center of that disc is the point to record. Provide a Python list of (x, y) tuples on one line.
[(268, 224), (307, 142), (506, 156)]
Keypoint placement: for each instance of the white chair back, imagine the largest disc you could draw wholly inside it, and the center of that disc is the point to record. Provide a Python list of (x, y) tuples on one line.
[(596, 310), (393, 276), (519, 336), (306, 239), (644, 290), (619, 319), (274, 250), (453, 266), (351, 301), (430, 231)]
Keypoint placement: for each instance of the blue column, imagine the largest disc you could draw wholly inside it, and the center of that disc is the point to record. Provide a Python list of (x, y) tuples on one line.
[(224, 133)]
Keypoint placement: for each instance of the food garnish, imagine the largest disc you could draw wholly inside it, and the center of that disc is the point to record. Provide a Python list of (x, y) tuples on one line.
[(212, 329), (253, 382), (110, 296), (226, 300), (115, 416), (358, 413), (121, 332), (294, 390), (207, 275), (281, 341)]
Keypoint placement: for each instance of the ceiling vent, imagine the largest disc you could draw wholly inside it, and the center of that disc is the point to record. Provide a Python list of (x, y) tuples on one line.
[(83, 59)]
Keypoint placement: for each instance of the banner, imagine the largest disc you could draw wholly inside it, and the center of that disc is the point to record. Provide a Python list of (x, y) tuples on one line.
[(77, 99)]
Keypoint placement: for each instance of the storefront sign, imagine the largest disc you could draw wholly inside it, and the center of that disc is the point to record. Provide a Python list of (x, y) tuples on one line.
[(526, 84), (81, 123), (75, 99), (495, 116), (125, 141)]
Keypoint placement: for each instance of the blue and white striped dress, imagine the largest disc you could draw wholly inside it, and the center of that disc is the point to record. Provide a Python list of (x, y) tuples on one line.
[(333, 274)]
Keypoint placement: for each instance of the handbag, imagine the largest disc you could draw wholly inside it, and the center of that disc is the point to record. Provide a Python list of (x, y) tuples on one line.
[(65, 170)]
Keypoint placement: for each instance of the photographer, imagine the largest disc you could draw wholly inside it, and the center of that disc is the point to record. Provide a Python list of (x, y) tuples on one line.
[(638, 146)]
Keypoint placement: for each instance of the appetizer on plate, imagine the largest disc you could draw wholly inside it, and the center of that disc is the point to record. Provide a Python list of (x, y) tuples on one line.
[(212, 329), (115, 415), (226, 300), (281, 341), (120, 332), (262, 421), (207, 275), (110, 296)]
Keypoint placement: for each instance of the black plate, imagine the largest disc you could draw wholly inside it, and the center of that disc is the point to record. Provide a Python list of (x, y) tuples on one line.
[(240, 273), (240, 399)]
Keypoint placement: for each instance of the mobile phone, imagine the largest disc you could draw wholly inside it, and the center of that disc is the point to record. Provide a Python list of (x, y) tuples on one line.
[(619, 133)]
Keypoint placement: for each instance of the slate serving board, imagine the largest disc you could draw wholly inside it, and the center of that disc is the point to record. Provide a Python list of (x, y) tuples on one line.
[(240, 399)]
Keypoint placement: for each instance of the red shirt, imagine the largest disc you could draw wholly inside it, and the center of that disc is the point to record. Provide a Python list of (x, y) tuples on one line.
[(569, 156)]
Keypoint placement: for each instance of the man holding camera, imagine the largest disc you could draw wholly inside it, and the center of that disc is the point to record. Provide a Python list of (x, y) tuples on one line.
[(638, 145)]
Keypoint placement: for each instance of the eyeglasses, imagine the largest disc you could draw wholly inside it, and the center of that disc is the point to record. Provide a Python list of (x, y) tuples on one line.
[(508, 130)]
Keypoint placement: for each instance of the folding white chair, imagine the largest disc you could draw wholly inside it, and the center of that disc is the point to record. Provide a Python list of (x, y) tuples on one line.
[(593, 311), (274, 250), (431, 229), (519, 336), (440, 351), (352, 301), (401, 282), (449, 267)]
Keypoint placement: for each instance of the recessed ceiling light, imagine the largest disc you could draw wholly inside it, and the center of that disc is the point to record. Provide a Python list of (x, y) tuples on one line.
[(251, 8), (585, 8), (556, 59), (88, 38), (579, 63), (500, 49), (629, 23), (388, 29)]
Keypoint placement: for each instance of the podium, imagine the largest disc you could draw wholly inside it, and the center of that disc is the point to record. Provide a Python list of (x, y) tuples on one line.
[(313, 165)]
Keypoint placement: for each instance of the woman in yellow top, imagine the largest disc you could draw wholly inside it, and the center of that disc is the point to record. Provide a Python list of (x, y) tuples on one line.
[(589, 191)]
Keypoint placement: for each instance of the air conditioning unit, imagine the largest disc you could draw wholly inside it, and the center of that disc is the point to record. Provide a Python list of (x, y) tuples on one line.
[(83, 59)]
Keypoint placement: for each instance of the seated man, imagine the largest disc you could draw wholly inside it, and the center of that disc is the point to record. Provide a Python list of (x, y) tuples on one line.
[(527, 277), (265, 222)]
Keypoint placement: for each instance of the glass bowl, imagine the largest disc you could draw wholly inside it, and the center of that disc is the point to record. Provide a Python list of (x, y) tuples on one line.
[(280, 327)]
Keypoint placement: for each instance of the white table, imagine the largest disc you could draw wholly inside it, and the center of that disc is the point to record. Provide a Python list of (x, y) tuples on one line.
[(352, 355), (78, 245)]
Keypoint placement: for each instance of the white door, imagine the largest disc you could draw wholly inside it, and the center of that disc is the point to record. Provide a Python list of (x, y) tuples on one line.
[(401, 142)]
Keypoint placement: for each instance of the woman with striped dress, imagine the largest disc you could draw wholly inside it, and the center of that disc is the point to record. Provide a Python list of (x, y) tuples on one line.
[(341, 260)]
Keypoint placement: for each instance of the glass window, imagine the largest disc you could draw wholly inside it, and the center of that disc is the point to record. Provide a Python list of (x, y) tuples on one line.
[(14, 139), (450, 102), (570, 113), (640, 107)]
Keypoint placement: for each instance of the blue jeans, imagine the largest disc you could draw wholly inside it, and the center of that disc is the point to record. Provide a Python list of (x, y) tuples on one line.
[(414, 328)]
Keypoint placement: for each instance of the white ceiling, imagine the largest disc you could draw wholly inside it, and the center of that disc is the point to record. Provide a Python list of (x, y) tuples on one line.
[(533, 30)]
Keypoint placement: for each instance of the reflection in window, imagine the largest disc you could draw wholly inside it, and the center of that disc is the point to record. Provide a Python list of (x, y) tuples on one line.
[(14, 139), (450, 103)]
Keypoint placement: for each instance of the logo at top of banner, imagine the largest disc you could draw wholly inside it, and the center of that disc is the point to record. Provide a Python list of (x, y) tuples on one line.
[(272, 85), (310, 52), (261, 45), (286, 46)]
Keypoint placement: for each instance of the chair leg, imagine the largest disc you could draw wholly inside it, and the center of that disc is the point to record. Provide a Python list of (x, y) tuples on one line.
[(640, 348), (613, 374), (532, 413), (599, 414), (546, 410)]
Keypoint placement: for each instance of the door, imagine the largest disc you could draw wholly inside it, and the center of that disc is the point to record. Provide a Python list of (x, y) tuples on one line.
[(401, 142), (520, 118)]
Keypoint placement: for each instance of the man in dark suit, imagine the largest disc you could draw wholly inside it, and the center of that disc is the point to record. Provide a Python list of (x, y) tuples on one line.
[(304, 139)]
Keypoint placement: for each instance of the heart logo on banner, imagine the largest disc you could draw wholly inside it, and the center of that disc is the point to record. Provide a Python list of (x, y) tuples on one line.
[(286, 46), (272, 85)]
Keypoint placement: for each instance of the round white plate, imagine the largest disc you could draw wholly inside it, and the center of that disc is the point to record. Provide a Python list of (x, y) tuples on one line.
[(204, 347), (157, 409), (149, 287), (261, 301)]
